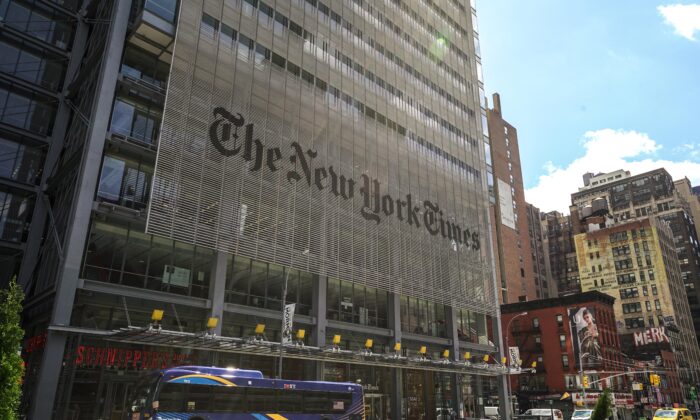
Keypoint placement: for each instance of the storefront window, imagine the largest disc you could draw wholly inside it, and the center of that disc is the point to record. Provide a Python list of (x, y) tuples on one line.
[(350, 302)]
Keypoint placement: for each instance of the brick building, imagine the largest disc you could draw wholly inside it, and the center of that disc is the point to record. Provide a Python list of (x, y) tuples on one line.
[(514, 267), (543, 335)]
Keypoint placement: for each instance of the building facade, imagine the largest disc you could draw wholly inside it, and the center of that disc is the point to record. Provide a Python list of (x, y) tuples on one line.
[(544, 336), (546, 288), (637, 263), (686, 193), (651, 194), (509, 213), (560, 252), (216, 159)]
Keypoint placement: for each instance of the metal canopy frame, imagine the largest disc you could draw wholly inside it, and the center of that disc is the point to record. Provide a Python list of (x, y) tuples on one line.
[(257, 345)]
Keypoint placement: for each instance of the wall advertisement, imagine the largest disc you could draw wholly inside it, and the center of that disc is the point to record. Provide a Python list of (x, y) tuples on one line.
[(586, 337)]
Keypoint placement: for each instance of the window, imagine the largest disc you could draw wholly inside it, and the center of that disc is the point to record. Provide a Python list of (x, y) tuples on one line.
[(27, 111), (645, 291), (562, 341), (560, 320), (209, 26), (125, 182), (654, 290), (118, 253), (20, 162), (135, 121), (634, 323), (15, 214), (629, 308), (565, 361), (657, 304), (356, 303), (32, 64), (535, 323), (648, 306), (38, 22), (164, 8)]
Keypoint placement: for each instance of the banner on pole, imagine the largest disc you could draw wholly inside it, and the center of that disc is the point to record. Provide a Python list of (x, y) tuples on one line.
[(287, 322), (514, 359)]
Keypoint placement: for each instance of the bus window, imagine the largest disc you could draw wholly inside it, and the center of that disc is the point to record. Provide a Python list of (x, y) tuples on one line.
[(184, 397), (315, 402), (172, 397), (199, 398), (326, 402), (289, 401), (261, 400), (340, 401), (229, 399)]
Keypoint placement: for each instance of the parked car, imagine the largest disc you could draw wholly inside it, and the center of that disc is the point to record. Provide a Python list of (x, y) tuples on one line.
[(673, 414), (544, 413), (581, 415)]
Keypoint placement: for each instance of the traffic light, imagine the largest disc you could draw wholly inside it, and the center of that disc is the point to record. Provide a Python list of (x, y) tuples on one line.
[(693, 393), (585, 381), (654, 379)]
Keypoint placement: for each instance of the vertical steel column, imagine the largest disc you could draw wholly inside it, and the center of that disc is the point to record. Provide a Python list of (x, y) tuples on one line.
[(452, 330), (394, 318), (318, 337), (67, 276), (217, 290)]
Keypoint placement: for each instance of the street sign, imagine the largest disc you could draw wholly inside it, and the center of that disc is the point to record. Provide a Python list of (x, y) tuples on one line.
[(287, 323)]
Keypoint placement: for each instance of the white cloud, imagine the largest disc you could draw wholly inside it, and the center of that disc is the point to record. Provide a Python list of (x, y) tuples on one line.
[(684, 18), (606, 150)]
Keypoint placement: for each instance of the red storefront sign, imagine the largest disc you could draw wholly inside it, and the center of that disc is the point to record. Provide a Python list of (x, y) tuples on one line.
[(92, 356), (35, 343)]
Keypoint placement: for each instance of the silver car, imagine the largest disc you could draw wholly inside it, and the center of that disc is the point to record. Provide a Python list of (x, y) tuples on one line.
[(581, 415)]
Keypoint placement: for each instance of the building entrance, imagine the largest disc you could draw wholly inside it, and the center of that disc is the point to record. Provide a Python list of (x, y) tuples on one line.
[(376, 407), (113, 396)]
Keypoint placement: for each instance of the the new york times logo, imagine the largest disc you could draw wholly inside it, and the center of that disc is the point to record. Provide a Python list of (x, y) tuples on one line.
[(231, 136)]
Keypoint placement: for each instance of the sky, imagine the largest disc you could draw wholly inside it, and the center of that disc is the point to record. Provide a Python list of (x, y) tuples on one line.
[(595, 86)]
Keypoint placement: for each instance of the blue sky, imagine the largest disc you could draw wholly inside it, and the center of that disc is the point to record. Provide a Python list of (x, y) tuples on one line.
[(595, 85)]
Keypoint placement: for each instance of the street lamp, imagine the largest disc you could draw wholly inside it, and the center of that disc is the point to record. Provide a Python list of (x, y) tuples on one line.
[(507, 349)]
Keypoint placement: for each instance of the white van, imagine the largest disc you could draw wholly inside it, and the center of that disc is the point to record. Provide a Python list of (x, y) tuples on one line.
[(492, 413), (545, 413)]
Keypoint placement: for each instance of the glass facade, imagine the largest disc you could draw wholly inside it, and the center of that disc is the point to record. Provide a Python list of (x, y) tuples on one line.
[(365, 130), (358, 179)]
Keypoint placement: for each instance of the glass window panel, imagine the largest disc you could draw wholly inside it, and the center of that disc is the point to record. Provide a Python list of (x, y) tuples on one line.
[(110, 183), (258, 279)]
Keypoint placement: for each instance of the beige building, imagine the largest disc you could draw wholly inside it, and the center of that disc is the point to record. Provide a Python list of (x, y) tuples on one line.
[(636, 263)]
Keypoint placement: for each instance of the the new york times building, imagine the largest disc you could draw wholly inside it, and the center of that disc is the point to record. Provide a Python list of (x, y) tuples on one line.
[(219, 149)]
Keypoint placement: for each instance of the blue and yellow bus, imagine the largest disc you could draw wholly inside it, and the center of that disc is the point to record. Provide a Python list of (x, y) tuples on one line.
[(211, 393)]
